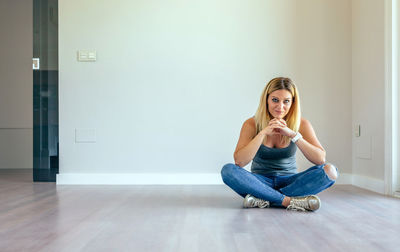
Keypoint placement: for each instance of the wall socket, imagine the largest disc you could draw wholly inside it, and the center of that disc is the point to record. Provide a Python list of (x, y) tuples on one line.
[(357, 130)]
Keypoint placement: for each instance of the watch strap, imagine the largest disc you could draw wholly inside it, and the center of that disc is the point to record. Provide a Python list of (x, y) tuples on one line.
[(296, 137)]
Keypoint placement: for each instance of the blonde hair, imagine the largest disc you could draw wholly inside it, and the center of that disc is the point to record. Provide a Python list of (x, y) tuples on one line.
[(262, 116)]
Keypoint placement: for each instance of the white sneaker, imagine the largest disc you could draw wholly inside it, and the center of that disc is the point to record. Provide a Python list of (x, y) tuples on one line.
[(251, 201)]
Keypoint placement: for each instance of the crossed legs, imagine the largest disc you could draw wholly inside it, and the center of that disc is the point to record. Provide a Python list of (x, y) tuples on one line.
[(279, 189)]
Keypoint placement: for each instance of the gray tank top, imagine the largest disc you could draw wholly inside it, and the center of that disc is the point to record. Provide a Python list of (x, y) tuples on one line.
[(274, 161)]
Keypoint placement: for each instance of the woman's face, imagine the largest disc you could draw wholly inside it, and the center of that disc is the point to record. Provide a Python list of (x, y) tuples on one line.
[(279, 103)]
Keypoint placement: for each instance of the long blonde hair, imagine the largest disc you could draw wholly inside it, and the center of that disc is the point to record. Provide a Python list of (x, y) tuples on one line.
[(293, 117)]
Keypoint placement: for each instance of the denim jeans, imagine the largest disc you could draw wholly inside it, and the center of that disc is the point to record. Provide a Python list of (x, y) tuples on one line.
[(275, 188)]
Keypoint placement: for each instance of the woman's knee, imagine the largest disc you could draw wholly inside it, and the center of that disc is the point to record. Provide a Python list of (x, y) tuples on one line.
[(227, 170), (331, 171)]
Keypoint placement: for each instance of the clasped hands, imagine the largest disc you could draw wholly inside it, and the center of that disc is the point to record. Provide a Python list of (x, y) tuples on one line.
[(278, 126)]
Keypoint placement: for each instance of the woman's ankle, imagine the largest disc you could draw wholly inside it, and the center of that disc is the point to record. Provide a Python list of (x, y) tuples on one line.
[(286, 201)]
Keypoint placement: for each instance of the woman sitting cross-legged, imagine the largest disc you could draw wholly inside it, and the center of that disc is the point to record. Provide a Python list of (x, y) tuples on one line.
[(270, 139)]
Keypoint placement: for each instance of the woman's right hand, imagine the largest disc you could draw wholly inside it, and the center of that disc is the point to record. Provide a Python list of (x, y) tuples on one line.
[(270, 129)]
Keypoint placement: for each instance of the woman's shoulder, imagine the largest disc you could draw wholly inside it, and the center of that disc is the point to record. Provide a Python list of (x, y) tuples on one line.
[(251, 122), (304, 121), (249, 126), (304, 124)]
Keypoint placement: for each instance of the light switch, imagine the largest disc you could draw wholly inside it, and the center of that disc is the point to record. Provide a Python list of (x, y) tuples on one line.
[(92, 55), (357, 130), (35, 63), (87, 55)]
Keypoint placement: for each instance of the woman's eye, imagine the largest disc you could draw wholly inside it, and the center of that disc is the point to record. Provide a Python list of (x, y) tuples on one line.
[(287, 101), (275, 100)]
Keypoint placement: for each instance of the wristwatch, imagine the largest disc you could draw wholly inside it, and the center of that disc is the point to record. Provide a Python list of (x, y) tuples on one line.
[(296, 137)]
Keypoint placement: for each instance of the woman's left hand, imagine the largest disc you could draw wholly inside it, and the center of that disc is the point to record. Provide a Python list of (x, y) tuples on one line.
[(283, 129)]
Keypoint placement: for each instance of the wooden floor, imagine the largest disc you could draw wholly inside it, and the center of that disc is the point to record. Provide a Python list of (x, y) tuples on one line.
[(46, 217)]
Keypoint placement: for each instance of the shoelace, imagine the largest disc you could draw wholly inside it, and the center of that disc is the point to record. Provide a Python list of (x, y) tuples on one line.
[(259, 203), (262, 203), (295, 208), (298, 205)]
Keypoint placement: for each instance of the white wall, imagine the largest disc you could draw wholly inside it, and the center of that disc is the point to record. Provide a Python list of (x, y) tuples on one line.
[(175, 80), (323, 60), (16, 84), (368, 90)]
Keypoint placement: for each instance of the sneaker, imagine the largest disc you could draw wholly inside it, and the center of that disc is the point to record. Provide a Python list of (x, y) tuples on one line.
[(251, 201), (305, 203)]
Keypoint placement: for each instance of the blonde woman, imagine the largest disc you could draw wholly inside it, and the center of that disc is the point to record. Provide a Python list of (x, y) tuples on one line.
[(270, 139)]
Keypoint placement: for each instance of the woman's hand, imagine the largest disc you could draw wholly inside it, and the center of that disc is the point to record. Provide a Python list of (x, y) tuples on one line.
[(278, 126), (270, 129)]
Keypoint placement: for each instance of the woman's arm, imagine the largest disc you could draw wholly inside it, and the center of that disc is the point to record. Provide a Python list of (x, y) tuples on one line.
[(309, 144), (248, 143)]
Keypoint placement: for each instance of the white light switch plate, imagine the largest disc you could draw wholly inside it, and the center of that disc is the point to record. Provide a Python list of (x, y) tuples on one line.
[(87, 55), (35, 63)]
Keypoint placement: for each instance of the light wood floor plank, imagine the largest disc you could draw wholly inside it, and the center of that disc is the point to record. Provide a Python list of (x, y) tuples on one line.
[(46, 217)]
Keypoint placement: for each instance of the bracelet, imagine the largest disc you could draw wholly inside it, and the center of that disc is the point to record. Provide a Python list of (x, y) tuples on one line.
[(296, 137)]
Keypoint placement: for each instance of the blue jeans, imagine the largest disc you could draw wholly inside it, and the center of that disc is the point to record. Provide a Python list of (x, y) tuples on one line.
[(275, 188)]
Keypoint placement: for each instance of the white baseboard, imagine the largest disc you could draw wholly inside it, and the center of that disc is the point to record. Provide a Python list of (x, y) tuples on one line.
[(375, 185), (367, 183), (139, 179), (190, 179), (344, 179)]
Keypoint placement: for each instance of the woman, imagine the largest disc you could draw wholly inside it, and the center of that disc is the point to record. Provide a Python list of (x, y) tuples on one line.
[(270, 140)]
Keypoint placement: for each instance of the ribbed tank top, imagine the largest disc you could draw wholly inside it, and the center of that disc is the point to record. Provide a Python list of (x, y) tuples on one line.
[(274, 161)]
